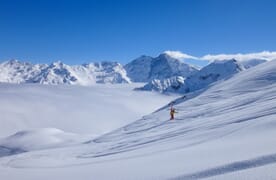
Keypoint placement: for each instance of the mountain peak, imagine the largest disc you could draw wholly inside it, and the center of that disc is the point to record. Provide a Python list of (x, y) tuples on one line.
[(166, 56), (146, 68), (57, 64), (144, 56), (12, 61)]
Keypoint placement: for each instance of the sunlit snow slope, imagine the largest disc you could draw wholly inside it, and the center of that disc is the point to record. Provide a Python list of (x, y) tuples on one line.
[(225, 132)]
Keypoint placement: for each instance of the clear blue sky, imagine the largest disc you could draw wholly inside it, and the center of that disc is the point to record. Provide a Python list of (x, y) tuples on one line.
[(77, 31)]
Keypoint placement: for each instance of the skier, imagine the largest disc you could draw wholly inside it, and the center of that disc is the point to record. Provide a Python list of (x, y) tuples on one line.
[(172, 113)]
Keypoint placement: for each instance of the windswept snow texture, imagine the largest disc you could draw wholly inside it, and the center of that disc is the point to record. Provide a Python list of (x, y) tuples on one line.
[(59, 73), (146, 68), (225, 132)]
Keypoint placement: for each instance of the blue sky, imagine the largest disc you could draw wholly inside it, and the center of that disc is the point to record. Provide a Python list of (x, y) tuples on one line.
[(77, 31)]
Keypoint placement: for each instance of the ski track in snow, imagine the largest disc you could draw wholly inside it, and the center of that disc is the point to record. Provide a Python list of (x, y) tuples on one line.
[(229, 168)]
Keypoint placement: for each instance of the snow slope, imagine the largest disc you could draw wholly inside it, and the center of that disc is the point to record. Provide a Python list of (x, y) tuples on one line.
[(224, 132)]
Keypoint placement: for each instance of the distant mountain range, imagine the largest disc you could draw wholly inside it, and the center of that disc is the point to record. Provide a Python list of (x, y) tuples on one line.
[(59, 73), (163, 73)]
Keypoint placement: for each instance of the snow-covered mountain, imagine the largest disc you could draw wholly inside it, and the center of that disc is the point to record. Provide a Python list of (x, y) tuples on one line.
[(211, 73), (139, 69), (172, 84), (55, 73), (251, 62), (225, 132), (160, 71), (14, 71), (104, 72), (59, 73), (146, 68)]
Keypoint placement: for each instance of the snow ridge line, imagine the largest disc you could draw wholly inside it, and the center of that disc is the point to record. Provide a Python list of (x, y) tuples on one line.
[(230, 168)]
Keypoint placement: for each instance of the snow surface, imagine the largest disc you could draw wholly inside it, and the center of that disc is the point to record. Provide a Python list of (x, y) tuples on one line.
[(37, 139), (224, 132)]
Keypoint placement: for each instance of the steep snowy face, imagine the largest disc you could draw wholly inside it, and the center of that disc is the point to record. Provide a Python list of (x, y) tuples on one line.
[(139, 69), (60, 73), (164, 66), (146, 68), (211, 73)]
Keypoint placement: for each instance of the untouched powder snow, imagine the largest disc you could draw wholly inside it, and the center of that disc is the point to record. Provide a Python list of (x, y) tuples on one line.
[(224, 132)]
